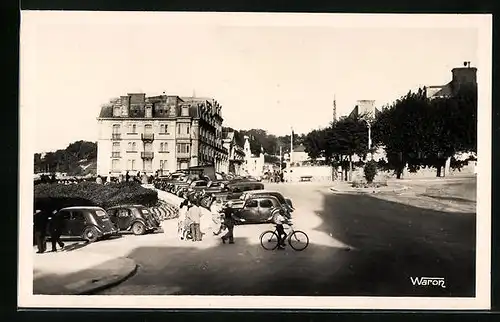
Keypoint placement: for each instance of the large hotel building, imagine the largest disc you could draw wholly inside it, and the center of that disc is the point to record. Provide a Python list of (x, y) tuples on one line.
[(166, 133)]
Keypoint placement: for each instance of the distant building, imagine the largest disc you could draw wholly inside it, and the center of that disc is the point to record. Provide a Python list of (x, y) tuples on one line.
[(460, 76), (254, 165), (299, 155), (364, 108), (166, 133), (236, 155)]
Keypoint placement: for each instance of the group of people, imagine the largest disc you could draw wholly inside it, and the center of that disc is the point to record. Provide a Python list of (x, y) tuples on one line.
[(45, 222), (274, 176), (190, 218), (140, 178)]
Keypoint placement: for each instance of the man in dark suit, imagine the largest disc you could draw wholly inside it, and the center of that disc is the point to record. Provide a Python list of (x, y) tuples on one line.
[(56, 228), (41, 219)]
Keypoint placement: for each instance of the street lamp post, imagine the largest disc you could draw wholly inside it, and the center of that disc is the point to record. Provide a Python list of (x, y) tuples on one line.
[(369, 139)]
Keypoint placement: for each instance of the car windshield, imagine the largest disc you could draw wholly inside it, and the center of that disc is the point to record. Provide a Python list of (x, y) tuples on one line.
[(145, 211), (101, 213)]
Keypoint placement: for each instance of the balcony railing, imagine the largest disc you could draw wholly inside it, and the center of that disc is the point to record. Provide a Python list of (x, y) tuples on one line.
[(116, 136), (147, 155), (147, 136), (183, 155), (115, 154)]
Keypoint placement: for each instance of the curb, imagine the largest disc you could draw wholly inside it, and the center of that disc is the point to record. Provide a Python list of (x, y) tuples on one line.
[(368, 191), (115, 282)]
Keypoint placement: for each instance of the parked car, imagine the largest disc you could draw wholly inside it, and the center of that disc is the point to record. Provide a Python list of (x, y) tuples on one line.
[(257, 193), (235, 189), (255, 210), (87, 222), (135, 218)]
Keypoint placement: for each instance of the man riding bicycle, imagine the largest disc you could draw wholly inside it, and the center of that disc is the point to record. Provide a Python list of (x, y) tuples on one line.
[(281, 217)]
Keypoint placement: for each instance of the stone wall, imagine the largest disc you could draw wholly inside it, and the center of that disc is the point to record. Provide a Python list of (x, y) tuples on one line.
[(318, 173), (468, 170)]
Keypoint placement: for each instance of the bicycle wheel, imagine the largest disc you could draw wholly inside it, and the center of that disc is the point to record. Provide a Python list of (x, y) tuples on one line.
[(298, 240), (269, 240)]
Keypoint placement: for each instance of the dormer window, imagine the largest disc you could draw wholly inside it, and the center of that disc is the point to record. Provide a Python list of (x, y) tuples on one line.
[(116, 111), (185, 111), (149, 112)]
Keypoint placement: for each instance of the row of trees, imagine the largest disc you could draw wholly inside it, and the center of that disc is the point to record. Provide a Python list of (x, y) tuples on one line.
[(415, 132)]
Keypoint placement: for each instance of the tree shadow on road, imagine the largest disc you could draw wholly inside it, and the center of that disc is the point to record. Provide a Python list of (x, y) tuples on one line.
[(394, 242)]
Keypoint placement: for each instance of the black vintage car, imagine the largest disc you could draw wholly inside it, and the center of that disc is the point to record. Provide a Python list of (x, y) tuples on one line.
[(135, 218), (235, 189), (255, 210), (86, 222)]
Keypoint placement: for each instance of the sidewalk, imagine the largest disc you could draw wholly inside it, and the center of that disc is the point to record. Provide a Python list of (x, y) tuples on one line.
[(78, 272)]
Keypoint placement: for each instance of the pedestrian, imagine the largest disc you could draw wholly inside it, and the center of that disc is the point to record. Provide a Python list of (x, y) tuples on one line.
[(229, 223), (98, 180), (127, 176), (181, 221), (215, 209), (194, 217), (56, 227), (41, 219)]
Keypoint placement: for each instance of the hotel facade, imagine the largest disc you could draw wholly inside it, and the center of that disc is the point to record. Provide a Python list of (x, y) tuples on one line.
[(160, 133)]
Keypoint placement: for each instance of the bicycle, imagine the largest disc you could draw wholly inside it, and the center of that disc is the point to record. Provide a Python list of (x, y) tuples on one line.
[(297, 239)]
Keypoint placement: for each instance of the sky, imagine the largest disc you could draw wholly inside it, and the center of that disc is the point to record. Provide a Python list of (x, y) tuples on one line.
[(271, 72)]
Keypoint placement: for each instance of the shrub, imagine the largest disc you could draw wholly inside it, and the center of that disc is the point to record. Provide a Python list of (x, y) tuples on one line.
[(370, 171), (56, 196)]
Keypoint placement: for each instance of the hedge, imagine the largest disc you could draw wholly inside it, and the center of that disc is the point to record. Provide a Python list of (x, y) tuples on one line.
[(56, 196)]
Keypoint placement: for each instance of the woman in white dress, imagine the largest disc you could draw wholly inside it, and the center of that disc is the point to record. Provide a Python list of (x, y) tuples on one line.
[(181, 220)]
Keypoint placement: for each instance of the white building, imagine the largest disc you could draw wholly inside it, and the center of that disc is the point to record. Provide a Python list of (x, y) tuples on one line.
[(236, 155), (164, 133), (254, 165)]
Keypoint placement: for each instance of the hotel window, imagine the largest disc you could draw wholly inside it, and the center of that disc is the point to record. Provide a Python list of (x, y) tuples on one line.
[(178, 129), (164, 128), (164, 147), (148, 129), (134, 146), (182, 148), (163, 164), (131, 165), (116, 128), (115, 165), (129, 148), (148, 165), (132, 128), (187, 129), (116, 147)]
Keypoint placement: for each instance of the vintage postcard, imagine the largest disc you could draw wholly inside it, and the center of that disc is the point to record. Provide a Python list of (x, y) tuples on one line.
[(244, 160)]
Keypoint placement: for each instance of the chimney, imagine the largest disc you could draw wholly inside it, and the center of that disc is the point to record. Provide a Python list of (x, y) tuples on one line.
[(464, 75)]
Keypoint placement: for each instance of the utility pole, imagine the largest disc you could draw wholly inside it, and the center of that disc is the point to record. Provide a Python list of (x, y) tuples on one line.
[(281, 157), (334, 109)]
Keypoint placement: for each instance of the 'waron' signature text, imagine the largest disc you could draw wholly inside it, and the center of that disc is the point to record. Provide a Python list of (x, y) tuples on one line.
[(428, 281)]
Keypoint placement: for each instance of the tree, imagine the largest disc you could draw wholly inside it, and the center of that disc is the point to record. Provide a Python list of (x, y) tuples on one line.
[(418, 132), (403, 129), (315, 143)]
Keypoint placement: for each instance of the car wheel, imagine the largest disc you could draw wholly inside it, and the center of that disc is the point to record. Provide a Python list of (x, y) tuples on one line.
[(138, 228), (90, 234)]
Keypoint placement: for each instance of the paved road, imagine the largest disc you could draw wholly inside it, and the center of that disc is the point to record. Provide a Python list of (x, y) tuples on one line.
[(360, 245)]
